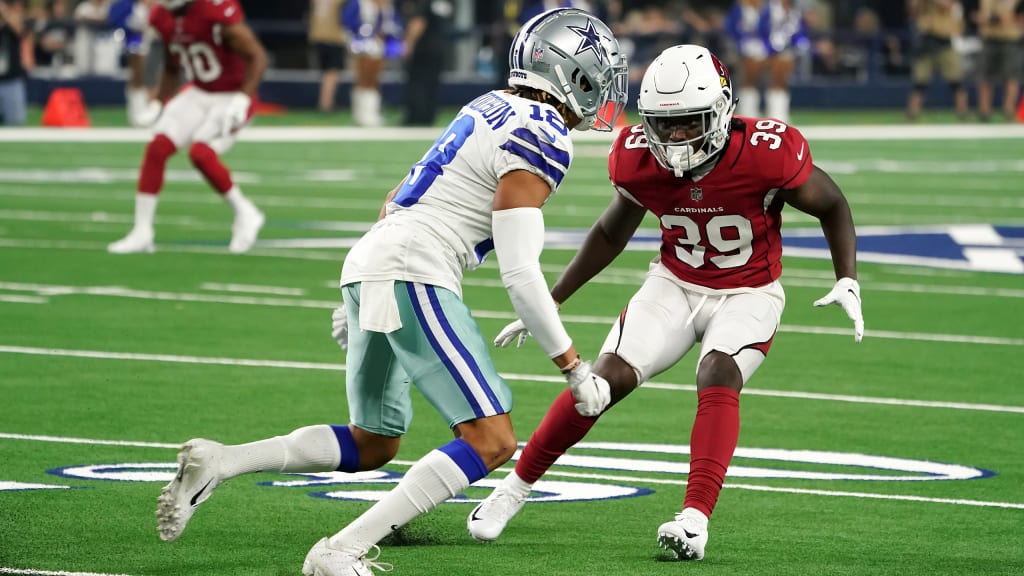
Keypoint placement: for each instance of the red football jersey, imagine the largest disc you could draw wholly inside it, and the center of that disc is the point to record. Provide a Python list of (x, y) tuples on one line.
[(722, 231), (194, 38)]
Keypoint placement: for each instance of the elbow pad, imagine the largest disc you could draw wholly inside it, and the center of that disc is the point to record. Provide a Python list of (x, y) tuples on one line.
[(518, 241)]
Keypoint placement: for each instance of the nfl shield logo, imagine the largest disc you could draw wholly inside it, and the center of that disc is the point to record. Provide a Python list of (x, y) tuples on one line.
[(538, 54), (696, 194)]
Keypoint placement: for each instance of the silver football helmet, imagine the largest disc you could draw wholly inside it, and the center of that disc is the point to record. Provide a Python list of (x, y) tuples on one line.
[(573, 56), (686, 104)]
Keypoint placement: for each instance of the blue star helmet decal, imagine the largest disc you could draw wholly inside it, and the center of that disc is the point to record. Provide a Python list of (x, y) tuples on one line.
[(590, 40)]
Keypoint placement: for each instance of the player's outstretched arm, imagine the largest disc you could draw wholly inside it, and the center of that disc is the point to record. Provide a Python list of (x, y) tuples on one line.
[(241, 40), (605, 241), (820, 197)]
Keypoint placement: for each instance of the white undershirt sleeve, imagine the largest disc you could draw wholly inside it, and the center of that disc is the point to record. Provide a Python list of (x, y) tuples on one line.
[(518, 242)]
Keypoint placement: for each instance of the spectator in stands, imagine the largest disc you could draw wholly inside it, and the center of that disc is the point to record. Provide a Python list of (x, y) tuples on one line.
[(1000, 29), (53, 34), (327, 40), (935, 24), (374, 30), (15, 60), (427, 38)]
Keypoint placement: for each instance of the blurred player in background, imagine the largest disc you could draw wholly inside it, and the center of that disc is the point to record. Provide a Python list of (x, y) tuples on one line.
[(131, 18), (479, 187), (209, 42), (768, 35), (718, 185), (375, 33)]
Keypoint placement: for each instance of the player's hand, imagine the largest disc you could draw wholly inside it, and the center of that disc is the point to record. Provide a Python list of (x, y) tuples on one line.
[(516, 331), (339, 327), (846, 293), (236, 113), (592, 392), (146, 116)]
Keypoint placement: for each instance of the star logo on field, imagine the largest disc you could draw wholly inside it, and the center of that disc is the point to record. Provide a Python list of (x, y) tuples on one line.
[(589, 40)]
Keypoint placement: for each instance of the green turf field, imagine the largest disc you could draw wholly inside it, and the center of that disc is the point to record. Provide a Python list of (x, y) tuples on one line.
[(900, 455)]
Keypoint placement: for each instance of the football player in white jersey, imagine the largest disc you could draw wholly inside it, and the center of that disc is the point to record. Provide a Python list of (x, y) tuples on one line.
[(479, 187)]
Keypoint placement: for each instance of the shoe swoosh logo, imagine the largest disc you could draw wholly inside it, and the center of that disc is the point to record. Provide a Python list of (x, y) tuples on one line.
[(689, 534), (473, 516), (196, 496)]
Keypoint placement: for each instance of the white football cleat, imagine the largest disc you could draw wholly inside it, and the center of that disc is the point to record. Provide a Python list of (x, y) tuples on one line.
[(686, 536), (137, 241), (248, 222), (198, 474), (488, 519), (323, 560)]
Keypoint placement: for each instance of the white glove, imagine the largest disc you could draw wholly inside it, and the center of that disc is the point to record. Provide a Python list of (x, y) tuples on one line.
[(146, 115), (846, 293), (339, 327), (591, 392), (236, 113), (515, 331)]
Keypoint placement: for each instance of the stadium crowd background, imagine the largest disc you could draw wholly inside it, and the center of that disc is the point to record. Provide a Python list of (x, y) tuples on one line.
[(859, 53)]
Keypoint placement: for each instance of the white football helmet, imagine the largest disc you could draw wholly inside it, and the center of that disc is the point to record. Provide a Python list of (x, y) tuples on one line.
[(173, 5), (573, 56), (686, 90)]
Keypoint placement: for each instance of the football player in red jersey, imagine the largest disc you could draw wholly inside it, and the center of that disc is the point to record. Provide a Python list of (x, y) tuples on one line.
[(718, 185), (209, 43)]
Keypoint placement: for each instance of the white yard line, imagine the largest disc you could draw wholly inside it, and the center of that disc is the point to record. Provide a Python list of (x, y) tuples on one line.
[(53, 290), (251, 289), (518, 377)]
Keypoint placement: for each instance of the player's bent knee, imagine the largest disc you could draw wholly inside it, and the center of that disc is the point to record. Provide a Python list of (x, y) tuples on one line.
[(201, 153), (160, 148), (719, 369), (621, 376), (375, 450), (492, 438)]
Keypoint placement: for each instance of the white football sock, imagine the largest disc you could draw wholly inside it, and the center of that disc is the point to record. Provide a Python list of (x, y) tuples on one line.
[(432, 480), (237, 200), (145, 211), (516, 485), (308, 449), (778, 105), (749, 104)]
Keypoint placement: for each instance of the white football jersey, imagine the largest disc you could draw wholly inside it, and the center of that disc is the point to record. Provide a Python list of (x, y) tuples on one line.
[(439, 223)]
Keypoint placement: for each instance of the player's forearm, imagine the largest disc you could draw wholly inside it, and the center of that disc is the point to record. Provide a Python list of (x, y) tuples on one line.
[(387, 200), (598, 251), (256, 66), (169, 82), (837, 224)]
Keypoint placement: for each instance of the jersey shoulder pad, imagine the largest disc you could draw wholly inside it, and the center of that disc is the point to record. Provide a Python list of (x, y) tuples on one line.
[(778, 152), (158, 15), (627, 155), (221, 11), (537, 136)]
